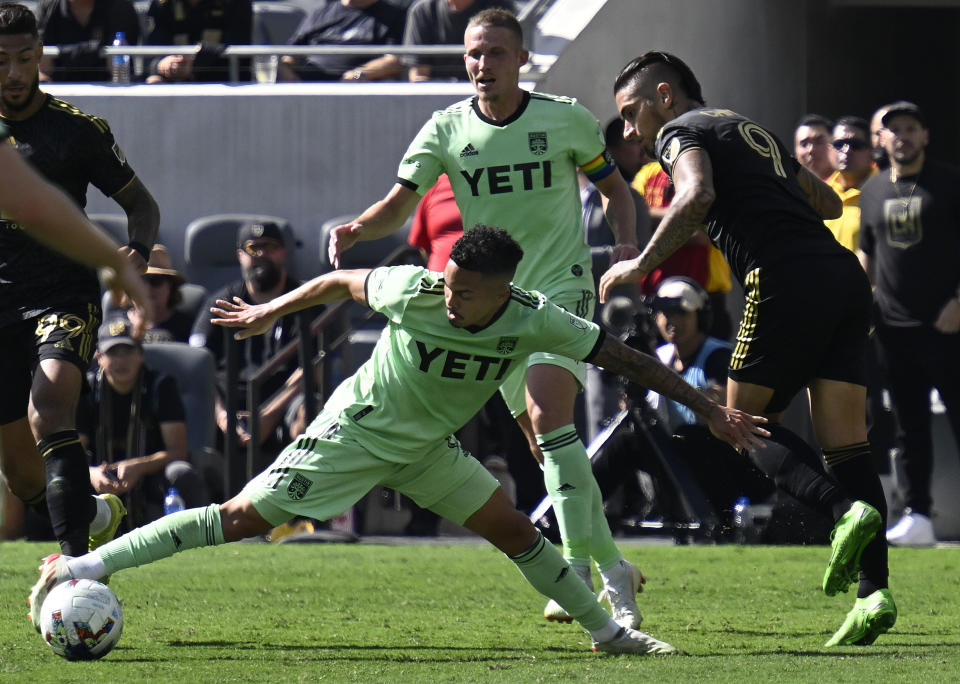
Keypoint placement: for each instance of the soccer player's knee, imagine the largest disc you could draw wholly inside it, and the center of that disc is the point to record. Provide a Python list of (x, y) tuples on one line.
[(241, 520)]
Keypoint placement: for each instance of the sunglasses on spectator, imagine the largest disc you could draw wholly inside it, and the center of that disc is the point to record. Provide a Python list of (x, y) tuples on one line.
[(155, 280), (852, 143), (259, 248)]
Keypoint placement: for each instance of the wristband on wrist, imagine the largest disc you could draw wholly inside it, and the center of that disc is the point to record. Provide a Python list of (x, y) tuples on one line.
[(140, 249)]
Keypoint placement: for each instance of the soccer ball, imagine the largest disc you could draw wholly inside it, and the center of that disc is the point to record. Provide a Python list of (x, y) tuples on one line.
[(81, 620)]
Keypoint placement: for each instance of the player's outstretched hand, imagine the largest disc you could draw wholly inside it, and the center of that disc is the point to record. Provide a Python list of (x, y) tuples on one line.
[(342, 238), (126, 280), (737, 428), (253, 319), (619, 273)]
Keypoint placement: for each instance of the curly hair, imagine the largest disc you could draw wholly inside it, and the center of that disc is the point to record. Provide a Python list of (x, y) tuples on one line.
[(487, 250)]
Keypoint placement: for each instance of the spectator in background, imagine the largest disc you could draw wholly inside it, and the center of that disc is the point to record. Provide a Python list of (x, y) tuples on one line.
[(811, 144), (80, 28), (169, 324), (132, 424), (347, 22), (436, 224), (910, 247), (262, 254), (212, 23), (879, 152), (627, 154), (441, 22), (852, 157)]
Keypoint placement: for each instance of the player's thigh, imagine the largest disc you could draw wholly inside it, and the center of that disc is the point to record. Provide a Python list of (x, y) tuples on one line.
[(838, 411), (17, 360), (447, 480), (65, 339), (316, 477)]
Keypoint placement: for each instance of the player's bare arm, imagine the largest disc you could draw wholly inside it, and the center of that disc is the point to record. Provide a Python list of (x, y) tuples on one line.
[(732, 426), (693, 179), (257, 319), (821, 196), (621, 214), (143, 219), (380, 219)]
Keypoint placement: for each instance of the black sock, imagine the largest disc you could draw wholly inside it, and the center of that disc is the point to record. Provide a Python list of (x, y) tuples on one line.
[(69, 492), (795, 468), (854, 469), (38, 504)]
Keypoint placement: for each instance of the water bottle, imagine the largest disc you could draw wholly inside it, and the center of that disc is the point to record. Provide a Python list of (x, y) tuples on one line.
[(741, 520), (120, 64), (173, 502)]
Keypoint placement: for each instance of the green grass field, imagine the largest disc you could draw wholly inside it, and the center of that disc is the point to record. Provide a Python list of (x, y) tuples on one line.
[(462, 613)]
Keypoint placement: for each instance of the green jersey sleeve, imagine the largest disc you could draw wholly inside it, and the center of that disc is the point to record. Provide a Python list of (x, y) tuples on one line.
[(423, 162), (565, 334), (390, 289)]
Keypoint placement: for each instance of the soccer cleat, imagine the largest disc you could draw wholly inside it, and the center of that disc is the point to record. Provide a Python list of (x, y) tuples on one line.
[(632, 641), (871, 616), (621, 583), (553, 611), (53, 571), (850, 536), (117, 511), (913, 529)]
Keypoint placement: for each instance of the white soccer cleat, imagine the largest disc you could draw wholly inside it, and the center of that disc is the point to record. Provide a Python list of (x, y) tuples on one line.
[(913, 529), (632, 641), (553, 611), (621, 583), (53, 571)]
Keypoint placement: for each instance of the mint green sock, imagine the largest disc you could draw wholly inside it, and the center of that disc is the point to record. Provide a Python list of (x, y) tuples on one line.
[(570, 485), (170, 534), (552, 576)]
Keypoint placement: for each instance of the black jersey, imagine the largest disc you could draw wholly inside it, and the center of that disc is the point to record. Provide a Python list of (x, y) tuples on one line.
[(760, 214), (71, 150), (912, 230)]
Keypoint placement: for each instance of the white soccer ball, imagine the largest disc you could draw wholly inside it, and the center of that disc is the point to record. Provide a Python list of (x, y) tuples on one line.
[(81, 620)]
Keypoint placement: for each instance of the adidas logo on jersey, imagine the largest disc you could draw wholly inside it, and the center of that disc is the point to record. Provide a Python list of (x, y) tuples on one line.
[(469, 151)]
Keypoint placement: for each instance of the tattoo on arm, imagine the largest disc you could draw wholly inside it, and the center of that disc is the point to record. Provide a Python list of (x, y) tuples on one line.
[(647, 371), (821, 196), (693, 178)]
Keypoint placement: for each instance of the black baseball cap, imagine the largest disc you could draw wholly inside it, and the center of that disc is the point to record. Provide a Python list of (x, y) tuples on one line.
[(903, 107), (114, 331), (259, 230)]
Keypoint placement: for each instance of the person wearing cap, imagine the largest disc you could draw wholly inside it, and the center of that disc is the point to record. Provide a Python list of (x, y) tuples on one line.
[(132, 424), (806, 315), (851, 156), (910, 247), (164, 281), (262, 254)]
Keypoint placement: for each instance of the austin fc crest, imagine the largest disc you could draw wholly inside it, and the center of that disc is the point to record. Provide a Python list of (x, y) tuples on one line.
[(506, 345), (298, 487), (538, 142)]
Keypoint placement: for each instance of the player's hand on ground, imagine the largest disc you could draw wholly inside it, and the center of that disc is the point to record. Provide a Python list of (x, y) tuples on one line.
[(342, 238), (618, 274), (737, 428), (253, 319), (622, 252), (948, 322)]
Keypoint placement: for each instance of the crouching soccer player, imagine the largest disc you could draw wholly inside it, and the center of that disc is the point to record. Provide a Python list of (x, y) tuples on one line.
[(449, 341)]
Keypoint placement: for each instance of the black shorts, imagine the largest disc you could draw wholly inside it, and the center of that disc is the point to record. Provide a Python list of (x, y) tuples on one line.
[(804, 319), (68, 333)]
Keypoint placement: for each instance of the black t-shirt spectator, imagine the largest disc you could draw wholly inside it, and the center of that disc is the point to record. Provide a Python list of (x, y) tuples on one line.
[(79, 58), (432, 22), (912, 230), (159, 402), (213, 23), (336, 24), (177, 328), (253, 351)]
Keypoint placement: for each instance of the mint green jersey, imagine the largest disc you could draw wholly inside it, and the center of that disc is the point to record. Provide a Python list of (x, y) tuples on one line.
[(426, 378), (519, 175)]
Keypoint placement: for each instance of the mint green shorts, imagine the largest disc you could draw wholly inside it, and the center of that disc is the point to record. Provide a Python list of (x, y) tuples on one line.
[(514, 387), (321, 477)]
